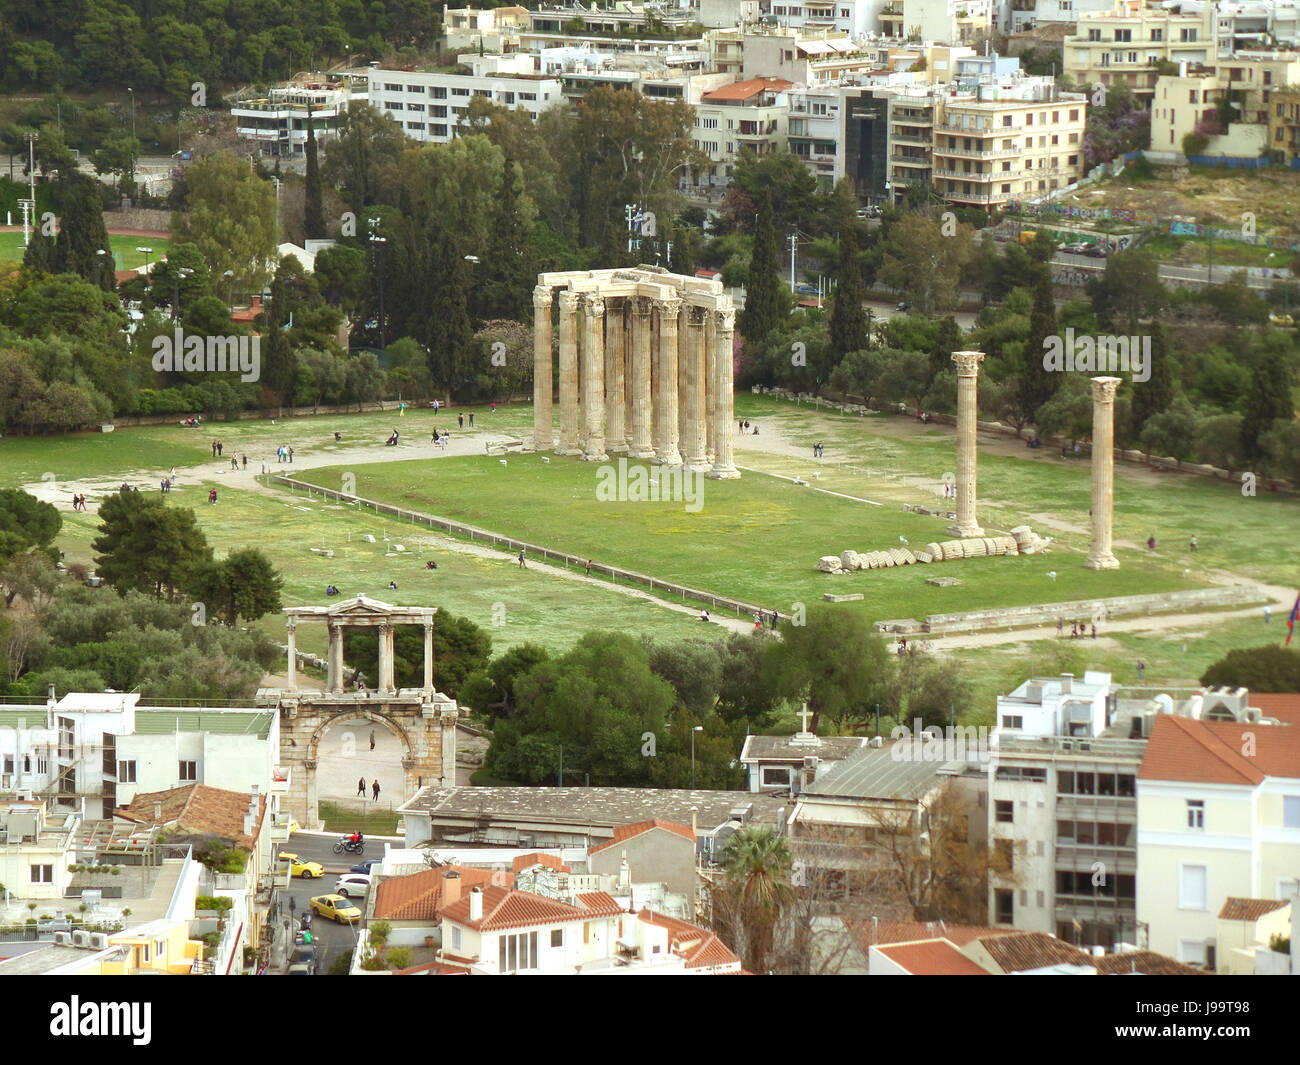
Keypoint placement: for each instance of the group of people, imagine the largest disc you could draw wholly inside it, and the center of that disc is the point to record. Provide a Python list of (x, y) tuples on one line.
[(374, 788), (234, 462), (1077, 628), (441, 439), (217, 448), (904, 648), (212, 495), (79, 502), (284, 453), (949, 490), (818, 450), (923, 417), (771, 620), (331, 590), (460, 418)]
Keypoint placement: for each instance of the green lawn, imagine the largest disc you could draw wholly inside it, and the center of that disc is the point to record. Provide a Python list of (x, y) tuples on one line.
[(78, 455), (127, 258)]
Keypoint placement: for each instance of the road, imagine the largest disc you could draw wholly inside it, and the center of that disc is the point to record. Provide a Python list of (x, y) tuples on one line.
[(332, 940), (1168, 271)]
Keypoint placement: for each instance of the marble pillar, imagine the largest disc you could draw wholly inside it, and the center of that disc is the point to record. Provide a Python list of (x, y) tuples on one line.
[(665, 408), (638, 423), (615, 404), (568, 374), (693, 443), (724, 467), (1100, 555), (334, 660), (387, 659), (683, 371), (543, 434), (428, 656), (292, 679), (710, 386), (593, 379), (968, 368)]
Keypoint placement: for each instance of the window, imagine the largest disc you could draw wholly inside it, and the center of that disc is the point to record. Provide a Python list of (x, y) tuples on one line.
[(1193, 887), (460, 92), (1004, 902), (1188, 35), (391, 106), (1287, 888), (439, 93), (1191, 951), (415, 107), (144, 952), (1005, 812), (189, 771), (1291, 811), (1040, 900), (1004, 849), (778, 775), (391, 87), (1157, 35), (1123, 35), (68, 781), (1064, 783), (557, 937), (1015, 721), (417, 126), (517, 952), (455, 937), (1195, 813), (126, 772), (42, 874), (415, 88)]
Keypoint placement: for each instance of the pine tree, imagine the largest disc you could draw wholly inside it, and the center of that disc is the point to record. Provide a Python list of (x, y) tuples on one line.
[(40, 254), (848, 317), (1037, 384), (680, 260), (1267, 402), (945, 343), (1153, 396), (762, 311), (314, 211)]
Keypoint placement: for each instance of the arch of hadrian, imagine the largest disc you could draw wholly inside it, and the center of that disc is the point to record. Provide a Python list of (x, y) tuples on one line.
[(645, 367), (422, 719)]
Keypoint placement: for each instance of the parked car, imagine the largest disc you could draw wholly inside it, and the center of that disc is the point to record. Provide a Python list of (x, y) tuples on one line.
[(304, 961), (353, 885), (367, 866), (1096, 251), (903, 306), (336, 908), (302, 868), (1077, 247)]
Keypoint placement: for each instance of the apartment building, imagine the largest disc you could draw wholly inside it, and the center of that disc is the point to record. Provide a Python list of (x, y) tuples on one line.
[(656, 76), (277, 123), (947, 21), (91, 752), (1017, 16), (808, 57), (1218, 818), (1284, 125), (490, 29), (748, 114), (983, 144), (429, 105), (857, 18), (622, 17), (1131, 42), (37, 845), (1249, 24)]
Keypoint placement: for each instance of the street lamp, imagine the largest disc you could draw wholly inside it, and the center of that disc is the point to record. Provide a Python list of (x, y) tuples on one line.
[(147, 253), (697, 728), (229, 275), (176, 279), (376, 240)]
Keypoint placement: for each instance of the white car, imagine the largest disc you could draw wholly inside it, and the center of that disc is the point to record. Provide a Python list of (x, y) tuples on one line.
[(353, 885)]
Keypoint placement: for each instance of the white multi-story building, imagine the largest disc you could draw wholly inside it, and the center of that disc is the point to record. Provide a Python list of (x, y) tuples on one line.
[(1016, 16), (749, 114), (429, 106), (92, 752), (277, 123), (946, 21), (857, 18)]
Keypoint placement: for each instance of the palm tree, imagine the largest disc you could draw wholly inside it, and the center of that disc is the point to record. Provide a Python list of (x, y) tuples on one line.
[(757, 867)]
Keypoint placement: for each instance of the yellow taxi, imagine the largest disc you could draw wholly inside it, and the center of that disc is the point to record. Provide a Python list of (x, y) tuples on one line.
[(336, 908), (301, 867)]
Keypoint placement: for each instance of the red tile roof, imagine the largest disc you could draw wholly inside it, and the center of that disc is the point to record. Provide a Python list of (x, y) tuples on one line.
[(626, 832), (1146, 962), (1210, 752), (931, 957), (700, 947), (527, 861), (196, 809), (912, 931), (744, 90), (514, 909), (418, 897), (1285, 706), (1235, 909), (600, 904), (1031, 950)]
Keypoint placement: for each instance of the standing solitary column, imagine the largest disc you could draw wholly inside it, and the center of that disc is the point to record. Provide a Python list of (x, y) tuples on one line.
[(387, 654), (968, 368), (638, 429), (293, 657), (724, 467), (542, 431), (593, 379), (710, 386), (334, 659), (694, 442), (568, 374), (665, 411), (615, 408), (1103, 472), (428, 656), (683, 370)]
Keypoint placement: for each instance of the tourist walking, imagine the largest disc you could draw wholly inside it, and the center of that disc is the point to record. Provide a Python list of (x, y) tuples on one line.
[(291, 454), (372, 739), (244, 459), (374, 787), (1192, 545), (1141, 668), (522, 565), (471, 419), (1151, 544), (460, 418), (361, 787)]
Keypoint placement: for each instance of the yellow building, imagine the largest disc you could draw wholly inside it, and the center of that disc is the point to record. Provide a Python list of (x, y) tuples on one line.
[(1218, 817), (1284, 124)]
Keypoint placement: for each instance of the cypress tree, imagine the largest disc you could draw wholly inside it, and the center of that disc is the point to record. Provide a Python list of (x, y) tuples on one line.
[(1153, 396), (314, 210), (450, 329), (82, 234), (1037, 385), (1268, 401), (848, 318), (762, 311), (279, 372), (508, 281)]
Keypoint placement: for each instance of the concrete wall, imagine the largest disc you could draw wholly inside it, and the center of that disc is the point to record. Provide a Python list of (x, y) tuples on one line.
[(657, 856)]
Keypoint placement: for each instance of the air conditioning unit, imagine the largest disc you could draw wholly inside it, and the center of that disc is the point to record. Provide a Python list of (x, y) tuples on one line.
[(81, 939), (99, 940), (63, 939)]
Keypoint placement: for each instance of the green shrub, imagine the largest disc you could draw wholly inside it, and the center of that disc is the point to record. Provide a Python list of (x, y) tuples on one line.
[(379, 933), (374, 962), (341, 965), (220, 903), (400, 957)]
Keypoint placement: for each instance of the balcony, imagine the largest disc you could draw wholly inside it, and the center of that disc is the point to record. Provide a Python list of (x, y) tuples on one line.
[(902, 138), (972, 153), (987, 175), (912, 160), (910, 117), (756, 129)]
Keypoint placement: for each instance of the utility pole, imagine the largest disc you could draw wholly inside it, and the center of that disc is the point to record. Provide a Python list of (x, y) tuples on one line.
[(794, 244)]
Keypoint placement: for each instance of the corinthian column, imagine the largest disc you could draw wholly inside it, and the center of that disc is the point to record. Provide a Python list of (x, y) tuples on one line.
[(710, 386), (968, 368), (542, 433), (638, 424), (665, 410), (693, 372), (615, 434), (724, 467), (387, 657), (1103, 472), (593, 379), (568, 374)]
